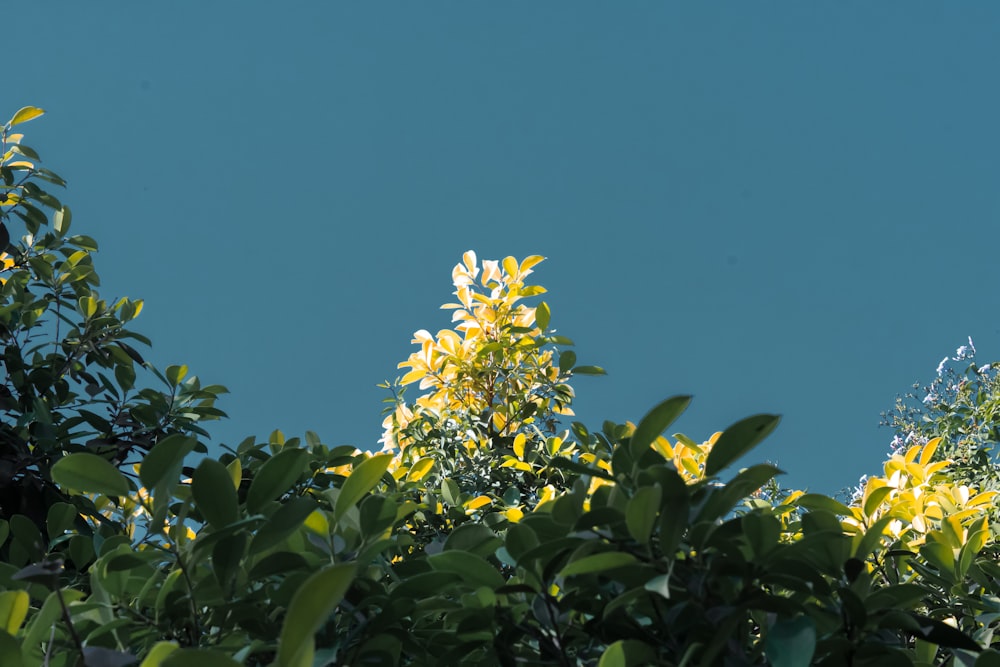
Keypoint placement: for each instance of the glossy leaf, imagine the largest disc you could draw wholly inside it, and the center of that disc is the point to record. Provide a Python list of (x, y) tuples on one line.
[(89, 473), (310, 607)]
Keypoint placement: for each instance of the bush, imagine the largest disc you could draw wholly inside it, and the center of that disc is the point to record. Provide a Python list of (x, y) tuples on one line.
[(483, 533)]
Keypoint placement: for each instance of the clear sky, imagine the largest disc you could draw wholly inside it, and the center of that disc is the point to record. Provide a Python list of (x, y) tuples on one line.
[(783, 207)]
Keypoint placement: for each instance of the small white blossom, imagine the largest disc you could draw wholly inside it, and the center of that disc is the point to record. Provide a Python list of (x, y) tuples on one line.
[(940, 368), (928, 399), (985, 368)]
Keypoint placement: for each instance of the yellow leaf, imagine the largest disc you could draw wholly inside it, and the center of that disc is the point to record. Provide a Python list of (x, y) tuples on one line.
[(530, 262), (510, 266), (911, 453), (513, 514), (24, 114), (420, 469), (13, 610), (478, 502), (519, 440), (929, 449), (318, 523), (235, 469)]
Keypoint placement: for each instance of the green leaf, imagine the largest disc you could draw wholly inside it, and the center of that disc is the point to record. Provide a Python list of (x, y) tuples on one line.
[(817, 501), (214, 495), (627, 653), (601, 562), (723, 499), (641, 511), (791, 642), (158, 654), (474, 538), (542, 315), (89, 473), (309, 609), (10, 651), (197, 657), (589, 370), (872, 538), (566, 360), (361, 480), (278, 474), (24, 114), (988, 658), (165, 458), (60, 518), (655, 422), (737, 440), (473, 569), (875, 499), (285, 521), (762, 532), (13, 610)]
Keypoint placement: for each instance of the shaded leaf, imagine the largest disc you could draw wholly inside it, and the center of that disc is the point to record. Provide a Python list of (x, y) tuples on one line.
[(164, 458), (655, 422), (214, 494), (278, 474), (791, 642), (312, 603), (737, 440), (601, 562)]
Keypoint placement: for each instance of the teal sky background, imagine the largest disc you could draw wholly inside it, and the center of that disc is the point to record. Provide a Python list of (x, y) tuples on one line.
[(780, 207)]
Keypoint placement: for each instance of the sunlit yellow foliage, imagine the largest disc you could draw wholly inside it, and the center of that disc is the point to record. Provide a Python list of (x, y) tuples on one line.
[(491, 365), (917, 493)]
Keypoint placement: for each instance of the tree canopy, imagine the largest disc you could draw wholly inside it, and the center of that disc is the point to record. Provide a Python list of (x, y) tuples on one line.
[(486, 531)]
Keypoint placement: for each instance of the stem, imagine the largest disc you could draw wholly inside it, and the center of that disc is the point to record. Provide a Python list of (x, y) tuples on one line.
[(69, 623)]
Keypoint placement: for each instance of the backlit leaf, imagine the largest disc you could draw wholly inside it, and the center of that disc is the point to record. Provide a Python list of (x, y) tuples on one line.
[(791, 642), (24, 114)]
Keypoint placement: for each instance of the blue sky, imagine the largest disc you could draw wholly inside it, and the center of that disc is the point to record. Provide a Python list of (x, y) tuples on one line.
[(777, 207)]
